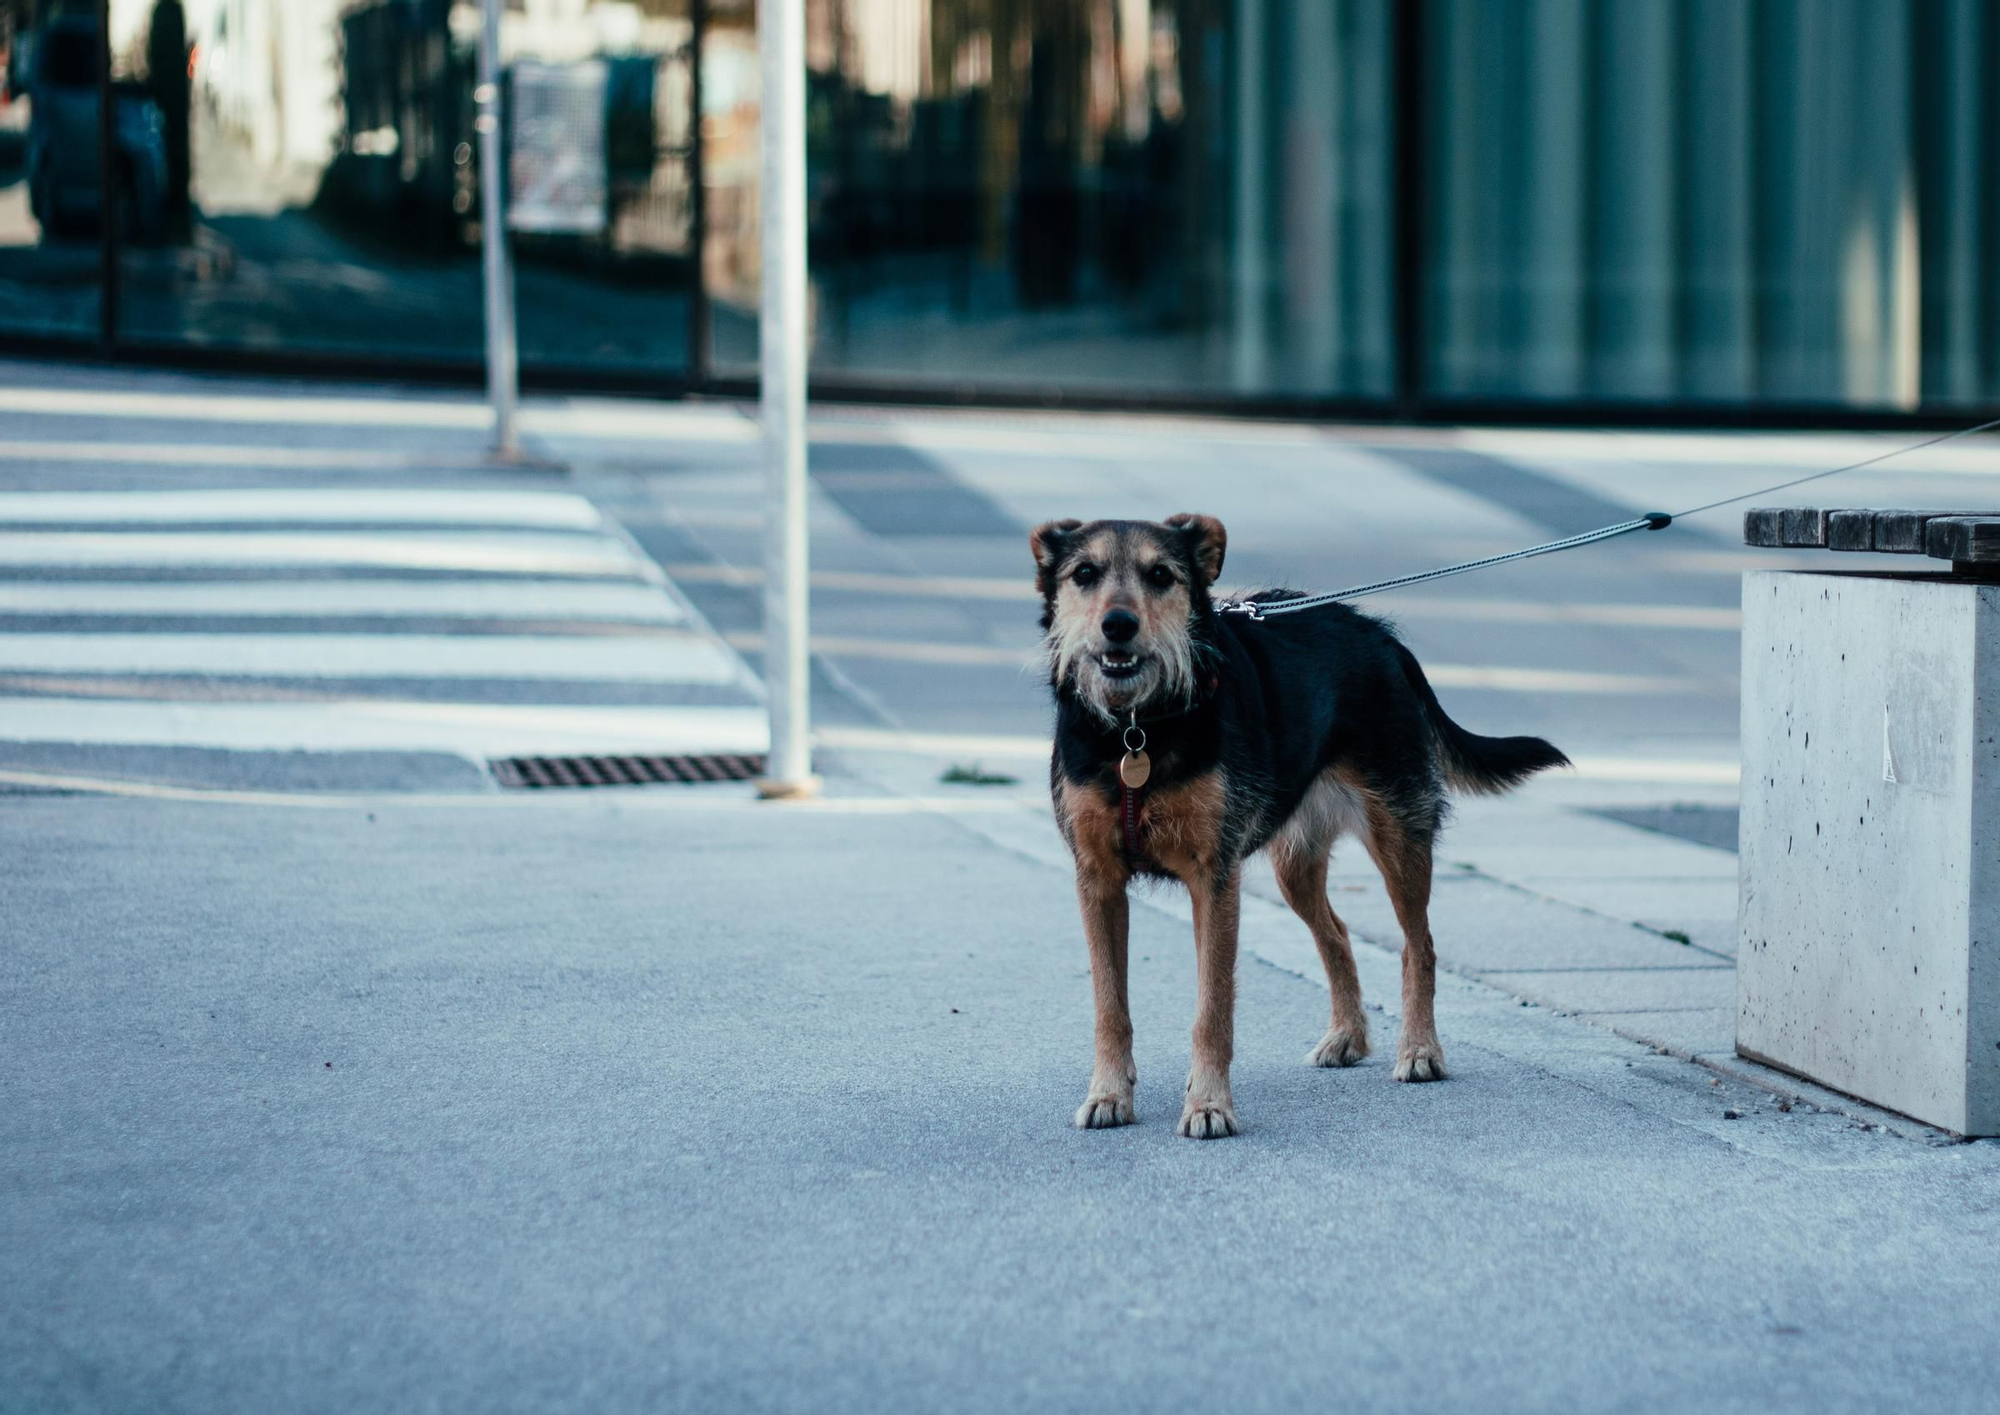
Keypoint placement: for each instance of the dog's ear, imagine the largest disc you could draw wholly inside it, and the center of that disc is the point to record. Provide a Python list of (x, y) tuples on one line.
[(1050, 542), (1206, 542)]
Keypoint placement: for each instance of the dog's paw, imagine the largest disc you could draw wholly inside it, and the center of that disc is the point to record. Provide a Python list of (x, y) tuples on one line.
[(1102, 1112), (1206, 1120), (1341, 1046), (1421, 1061)]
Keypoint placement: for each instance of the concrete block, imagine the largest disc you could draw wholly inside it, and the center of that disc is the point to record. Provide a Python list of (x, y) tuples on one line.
[(1868, 954)]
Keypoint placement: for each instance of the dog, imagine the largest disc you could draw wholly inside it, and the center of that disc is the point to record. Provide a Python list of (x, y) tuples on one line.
[(1187, 739)]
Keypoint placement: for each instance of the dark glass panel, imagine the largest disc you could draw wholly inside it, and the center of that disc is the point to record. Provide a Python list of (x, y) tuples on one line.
[(1115, 195), (331, 193), (1675, 200), (49, 194)]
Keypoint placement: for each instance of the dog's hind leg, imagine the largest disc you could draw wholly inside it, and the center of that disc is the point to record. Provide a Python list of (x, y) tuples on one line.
[(1301, 872), (1401, 849), (1100, 893)]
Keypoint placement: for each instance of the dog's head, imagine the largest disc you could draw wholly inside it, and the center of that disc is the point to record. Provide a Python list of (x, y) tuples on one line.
[(1125, 608)]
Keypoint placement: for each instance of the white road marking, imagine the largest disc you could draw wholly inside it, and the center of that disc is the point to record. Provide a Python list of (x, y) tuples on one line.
[(197, 454), (1664, 770), (975, 747), (1553, 680), (1519, 611), (904, 651), (867, 582), (418, 599), (472, 730), (934, 744), (1442, 675), (515, 552), (587, 417), (618, 658), (727, 798), (355, 505), (1021, 589)]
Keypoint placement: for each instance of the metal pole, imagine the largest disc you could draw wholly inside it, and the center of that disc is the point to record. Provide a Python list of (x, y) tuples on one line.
[(502, 371), (109, 186), (698, 312), (781, 30)]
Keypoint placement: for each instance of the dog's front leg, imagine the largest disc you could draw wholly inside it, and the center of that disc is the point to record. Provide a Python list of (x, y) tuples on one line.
[(1106, 923), (1209, 1112)]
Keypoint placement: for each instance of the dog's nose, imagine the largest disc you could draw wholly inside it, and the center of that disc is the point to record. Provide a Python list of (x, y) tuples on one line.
[(1121, 626)]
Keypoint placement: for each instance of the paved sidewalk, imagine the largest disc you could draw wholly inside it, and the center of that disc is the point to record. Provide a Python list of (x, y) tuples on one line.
[(1554, 902), (672, 1103)]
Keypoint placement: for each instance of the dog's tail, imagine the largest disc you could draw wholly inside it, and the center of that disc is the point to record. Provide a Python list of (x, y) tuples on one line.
[(1484, 766)]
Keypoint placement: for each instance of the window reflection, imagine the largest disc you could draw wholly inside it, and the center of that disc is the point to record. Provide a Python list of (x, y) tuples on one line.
[(1129, 194), (1677, 200), (50, 199), (322, 190), (1657, 201)]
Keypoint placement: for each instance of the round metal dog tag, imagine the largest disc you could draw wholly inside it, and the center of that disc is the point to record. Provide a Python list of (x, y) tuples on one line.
[(1135, 769)]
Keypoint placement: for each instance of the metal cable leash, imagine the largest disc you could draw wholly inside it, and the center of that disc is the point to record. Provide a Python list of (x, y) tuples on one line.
[(1649, 521)]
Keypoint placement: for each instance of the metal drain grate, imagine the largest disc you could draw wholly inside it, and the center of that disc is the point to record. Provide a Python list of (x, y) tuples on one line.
[(541, 773)]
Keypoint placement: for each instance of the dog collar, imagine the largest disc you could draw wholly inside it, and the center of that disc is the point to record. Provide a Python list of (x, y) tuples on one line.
[(1207, 695)]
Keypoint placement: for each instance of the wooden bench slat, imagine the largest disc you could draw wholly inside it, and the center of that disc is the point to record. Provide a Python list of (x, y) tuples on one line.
[(1802, 528), (1971, 540), (1850, 530), (1891, 532), (1763, 526)]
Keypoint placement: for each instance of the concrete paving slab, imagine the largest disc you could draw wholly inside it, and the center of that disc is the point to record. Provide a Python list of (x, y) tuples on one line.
[(1596, 990), (1481, 924), (1703, 909), (1684, 1033)]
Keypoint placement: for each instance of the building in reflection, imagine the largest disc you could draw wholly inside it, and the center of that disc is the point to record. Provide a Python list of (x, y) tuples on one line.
[(1425, 207)]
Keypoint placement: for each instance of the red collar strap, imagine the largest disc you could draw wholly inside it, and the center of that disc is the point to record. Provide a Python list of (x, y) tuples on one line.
[(1128, 817)]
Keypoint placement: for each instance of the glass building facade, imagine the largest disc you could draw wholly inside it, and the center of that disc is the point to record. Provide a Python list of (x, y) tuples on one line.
[(1404, 207)]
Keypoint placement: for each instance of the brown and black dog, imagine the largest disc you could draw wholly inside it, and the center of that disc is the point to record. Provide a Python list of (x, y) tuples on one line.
[(1187, 739)]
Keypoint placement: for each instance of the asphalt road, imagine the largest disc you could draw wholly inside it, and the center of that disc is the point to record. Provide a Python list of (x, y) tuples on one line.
[(923, 606), (1624, 654)]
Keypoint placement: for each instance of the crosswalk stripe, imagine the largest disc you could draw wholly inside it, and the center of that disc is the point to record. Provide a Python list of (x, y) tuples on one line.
[(515, 552), (1018, 588), (474, 730), (1442, 675), (610, 658), (417, 566), (353, 505), (583, 601), (977, 747), (210, 455)]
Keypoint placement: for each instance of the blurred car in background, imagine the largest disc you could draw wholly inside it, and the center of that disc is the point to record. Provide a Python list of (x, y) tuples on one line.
[(63, 188)]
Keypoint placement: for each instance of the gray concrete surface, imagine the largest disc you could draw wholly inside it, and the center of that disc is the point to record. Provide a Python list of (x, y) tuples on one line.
[(440, 1098), (379, 1106)]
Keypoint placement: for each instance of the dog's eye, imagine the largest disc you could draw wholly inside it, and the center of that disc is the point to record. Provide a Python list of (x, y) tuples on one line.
[(1084, 575), (1160, 577)]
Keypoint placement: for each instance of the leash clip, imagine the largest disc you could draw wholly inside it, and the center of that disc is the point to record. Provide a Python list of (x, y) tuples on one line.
[(1248, 608), (1135, 768)]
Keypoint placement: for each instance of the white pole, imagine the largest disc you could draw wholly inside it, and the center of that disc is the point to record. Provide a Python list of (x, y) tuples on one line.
[(502, 375), (781, 31)]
